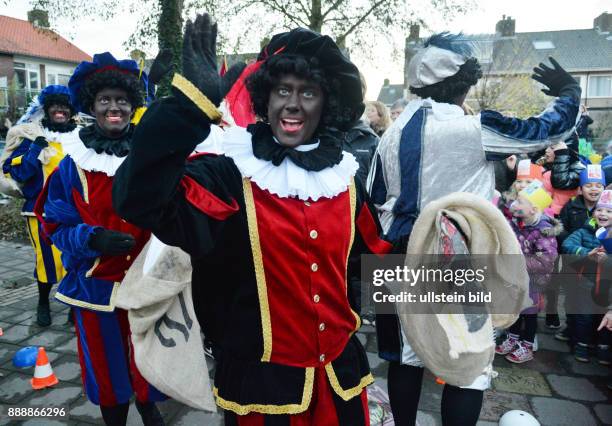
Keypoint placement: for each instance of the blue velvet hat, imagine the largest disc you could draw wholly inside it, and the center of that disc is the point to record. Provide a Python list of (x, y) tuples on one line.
[(35, 110), (102, 62)]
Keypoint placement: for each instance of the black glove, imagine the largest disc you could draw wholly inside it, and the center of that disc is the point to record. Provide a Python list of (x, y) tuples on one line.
[(41, 142), (111, 243), (200, 60), (161, 66), (556, 79)]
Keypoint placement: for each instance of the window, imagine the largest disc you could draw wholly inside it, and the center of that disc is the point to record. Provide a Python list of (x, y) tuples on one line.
[(483, 50), (543, 44), (63, 79), (600, 86), (20, 74), (51, 79), (33, 78)]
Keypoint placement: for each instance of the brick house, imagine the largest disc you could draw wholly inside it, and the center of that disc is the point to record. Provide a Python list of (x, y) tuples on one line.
[(31, 57)]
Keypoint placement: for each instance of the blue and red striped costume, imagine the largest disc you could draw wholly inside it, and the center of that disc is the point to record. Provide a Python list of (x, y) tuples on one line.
[(76, 201)]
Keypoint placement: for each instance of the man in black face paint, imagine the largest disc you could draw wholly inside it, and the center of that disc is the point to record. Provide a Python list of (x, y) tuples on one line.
[(98, 246), (31, 161), (270, 225)]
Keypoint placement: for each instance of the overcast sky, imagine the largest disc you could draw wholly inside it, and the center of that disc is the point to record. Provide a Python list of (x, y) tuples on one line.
[(530, 15)]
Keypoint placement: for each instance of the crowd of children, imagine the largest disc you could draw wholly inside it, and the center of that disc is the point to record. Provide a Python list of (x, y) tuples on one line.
[(562, 209)]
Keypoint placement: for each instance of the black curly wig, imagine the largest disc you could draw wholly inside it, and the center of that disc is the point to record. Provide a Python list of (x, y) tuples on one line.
[(111, 79), (453, 87), (57, 99), (262, 81)]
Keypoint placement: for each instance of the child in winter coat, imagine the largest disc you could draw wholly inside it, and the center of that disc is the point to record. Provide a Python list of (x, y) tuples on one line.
[(584, 243), (573, 217), (579, 209), (526, 173), (536, 234)]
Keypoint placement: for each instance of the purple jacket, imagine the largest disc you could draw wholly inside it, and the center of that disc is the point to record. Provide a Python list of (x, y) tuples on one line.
[(539, 246)]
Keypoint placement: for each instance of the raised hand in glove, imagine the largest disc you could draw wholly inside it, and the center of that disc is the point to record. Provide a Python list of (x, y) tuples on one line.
[(111, 243), (161, 66), (555, 79), (200, 60), (41, 142)]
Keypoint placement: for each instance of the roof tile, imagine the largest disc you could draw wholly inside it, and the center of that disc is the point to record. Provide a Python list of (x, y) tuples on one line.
[(20, 37)]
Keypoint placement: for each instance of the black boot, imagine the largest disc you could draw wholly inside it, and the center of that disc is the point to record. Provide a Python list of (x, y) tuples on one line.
[(43, 315), (150, 414), (115, 416)]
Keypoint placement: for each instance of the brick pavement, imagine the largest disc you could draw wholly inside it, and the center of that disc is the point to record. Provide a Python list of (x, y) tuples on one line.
[(554, 387)]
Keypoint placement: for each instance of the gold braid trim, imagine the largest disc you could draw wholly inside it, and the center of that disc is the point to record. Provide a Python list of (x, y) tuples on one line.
[(348, 393), (83, 180), (260, 276), (353, 204), (243, 410), (79, 303), (197, 97)]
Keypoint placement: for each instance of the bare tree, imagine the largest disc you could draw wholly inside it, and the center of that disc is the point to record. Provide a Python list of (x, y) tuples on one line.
[(506, 84), (341, 19)]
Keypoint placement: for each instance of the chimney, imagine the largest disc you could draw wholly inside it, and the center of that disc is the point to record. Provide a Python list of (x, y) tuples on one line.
[(39, 18), (386, 82), (603, 23), (505, 27), (414, 33)]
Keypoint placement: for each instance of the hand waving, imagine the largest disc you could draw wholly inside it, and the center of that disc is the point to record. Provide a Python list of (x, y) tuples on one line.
[(554, 78), (200, 60)]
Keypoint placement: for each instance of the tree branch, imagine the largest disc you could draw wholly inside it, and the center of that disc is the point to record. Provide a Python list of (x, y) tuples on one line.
[(276, 5), (359, 21), (305, 11), (333, 7)]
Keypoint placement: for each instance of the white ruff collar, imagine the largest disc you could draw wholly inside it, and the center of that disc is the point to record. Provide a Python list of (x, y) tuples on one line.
[(88, 159), (60, 137), (287, 179)]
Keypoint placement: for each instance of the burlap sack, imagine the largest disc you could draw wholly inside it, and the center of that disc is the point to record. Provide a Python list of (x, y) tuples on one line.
[(168, 347), (14, 137), (457, 345)]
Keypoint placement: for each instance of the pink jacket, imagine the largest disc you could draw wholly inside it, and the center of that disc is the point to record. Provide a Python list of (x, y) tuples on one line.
[(560, 196)]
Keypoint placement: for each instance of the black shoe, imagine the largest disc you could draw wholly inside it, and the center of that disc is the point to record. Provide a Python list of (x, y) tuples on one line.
[(150, 414), (116, 415), (552, 321), (563, 335), (43, 315)]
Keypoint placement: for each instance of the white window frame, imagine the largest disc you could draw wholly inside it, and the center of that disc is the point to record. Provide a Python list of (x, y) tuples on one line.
[(37, 72), (51, 76), (65, 75), (582, 80), (599, 96)]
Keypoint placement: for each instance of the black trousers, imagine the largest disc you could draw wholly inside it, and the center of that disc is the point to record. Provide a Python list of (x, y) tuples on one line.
[(460, 406)]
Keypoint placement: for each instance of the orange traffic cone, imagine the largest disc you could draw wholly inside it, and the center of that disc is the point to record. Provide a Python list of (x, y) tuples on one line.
[(43, 373)]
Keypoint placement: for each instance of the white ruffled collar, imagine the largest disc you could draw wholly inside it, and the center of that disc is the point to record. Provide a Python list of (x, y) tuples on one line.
[(87, 158), (60, 137), (288, 179)]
